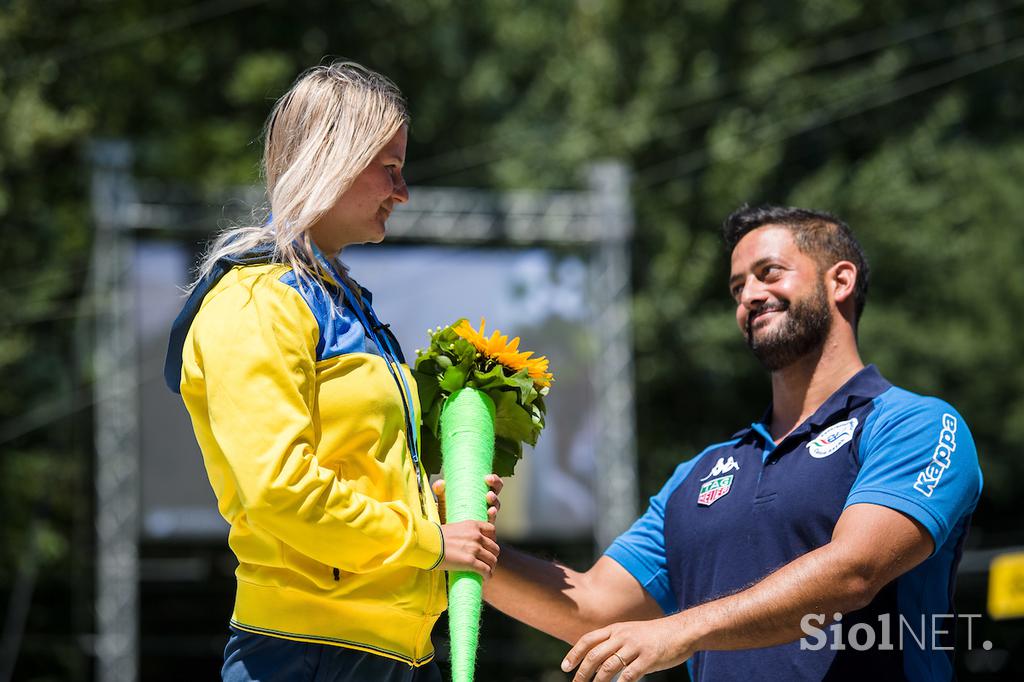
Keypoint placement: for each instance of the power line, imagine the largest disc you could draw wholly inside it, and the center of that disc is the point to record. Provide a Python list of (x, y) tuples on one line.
[(137, 31), (87, 305), (65, 406), (861, 44), (29, 320), (753, 91), (668, 167), (52, 276), (45, 414), (655, 173), (907, 87)]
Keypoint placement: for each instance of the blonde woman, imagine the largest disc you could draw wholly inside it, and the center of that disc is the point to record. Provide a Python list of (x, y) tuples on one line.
[(306, 414)]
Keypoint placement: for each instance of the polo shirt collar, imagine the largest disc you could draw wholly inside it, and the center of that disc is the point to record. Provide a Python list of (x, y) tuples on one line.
[(861, 388)]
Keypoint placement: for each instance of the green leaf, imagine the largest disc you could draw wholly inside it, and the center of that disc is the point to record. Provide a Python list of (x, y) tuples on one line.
[(510, 420), (524, 384), (432, 418), (492, 378), (464, 351), (454, 378), (427, 388), (430, 452), (507, 454)]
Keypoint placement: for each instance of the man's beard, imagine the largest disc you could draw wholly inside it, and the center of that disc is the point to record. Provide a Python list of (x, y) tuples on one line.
[(803, 331)]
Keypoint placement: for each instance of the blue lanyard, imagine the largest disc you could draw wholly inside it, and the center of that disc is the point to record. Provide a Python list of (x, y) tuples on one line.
[(392, 358)]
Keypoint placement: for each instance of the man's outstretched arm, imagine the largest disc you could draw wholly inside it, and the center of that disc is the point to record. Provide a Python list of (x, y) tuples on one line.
[(565, 603), (871, 546)]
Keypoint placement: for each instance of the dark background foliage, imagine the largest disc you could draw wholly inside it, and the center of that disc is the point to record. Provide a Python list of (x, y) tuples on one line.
[(901, 117)]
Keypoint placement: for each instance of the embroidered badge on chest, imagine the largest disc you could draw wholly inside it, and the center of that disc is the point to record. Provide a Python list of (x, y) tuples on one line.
[(719, 485), (832, 438)]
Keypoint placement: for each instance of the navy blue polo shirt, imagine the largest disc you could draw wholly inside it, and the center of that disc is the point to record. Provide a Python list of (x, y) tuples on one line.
[(743, 508)]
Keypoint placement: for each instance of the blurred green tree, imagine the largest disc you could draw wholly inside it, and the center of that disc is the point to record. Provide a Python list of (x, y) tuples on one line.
[(901, 117)]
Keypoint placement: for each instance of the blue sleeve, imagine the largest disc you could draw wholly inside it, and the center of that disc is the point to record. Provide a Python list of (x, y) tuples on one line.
[(918, 457), (641, 549)]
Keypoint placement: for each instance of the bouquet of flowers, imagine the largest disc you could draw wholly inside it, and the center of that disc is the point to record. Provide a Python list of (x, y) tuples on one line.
[(481, 399)]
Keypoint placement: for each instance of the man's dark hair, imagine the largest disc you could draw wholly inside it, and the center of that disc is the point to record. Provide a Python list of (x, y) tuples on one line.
[(820, 235)]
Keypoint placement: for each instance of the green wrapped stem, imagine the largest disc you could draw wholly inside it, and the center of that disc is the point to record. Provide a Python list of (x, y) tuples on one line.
[(467, 446)]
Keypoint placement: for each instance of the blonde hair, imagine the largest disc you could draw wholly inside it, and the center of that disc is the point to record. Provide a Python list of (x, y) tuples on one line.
[(319, 136)]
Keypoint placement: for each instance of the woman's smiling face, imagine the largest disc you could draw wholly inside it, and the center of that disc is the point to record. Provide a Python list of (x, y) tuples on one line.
[(360, 214)]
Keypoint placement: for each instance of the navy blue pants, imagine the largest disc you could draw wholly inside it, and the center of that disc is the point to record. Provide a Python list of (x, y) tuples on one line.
[(250, 657)]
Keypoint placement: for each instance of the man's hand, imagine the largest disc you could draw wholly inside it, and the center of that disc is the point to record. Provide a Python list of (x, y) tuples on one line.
[(495, 484), (629, 650)]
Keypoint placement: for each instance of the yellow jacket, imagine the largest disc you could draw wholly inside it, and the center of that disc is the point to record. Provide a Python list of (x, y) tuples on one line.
[(303, 434)]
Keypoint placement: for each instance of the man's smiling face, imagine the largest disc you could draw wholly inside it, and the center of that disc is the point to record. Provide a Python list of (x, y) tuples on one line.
[(782, 304)]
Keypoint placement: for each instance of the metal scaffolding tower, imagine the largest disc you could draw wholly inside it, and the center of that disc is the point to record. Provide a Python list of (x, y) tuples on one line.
[(616, 455), (115, 386)]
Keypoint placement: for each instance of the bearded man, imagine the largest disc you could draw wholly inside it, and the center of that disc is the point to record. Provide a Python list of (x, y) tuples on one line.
[(819, 543)]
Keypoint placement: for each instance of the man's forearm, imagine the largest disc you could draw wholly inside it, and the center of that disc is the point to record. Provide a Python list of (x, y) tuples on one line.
[(763, 615), (565, 603), (542, 594), (769, 613)]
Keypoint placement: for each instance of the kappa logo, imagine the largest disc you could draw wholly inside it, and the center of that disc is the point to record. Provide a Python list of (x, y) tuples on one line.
[(832, 438), (722, 466), (932, 474)]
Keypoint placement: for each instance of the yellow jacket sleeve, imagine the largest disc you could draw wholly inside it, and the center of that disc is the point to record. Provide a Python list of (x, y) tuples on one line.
[(255, 356)]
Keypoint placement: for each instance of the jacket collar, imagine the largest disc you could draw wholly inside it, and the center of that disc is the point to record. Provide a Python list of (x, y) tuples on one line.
[(327, 271)]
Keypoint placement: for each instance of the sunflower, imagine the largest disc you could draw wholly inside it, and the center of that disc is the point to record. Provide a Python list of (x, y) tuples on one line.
[(506, 352)]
